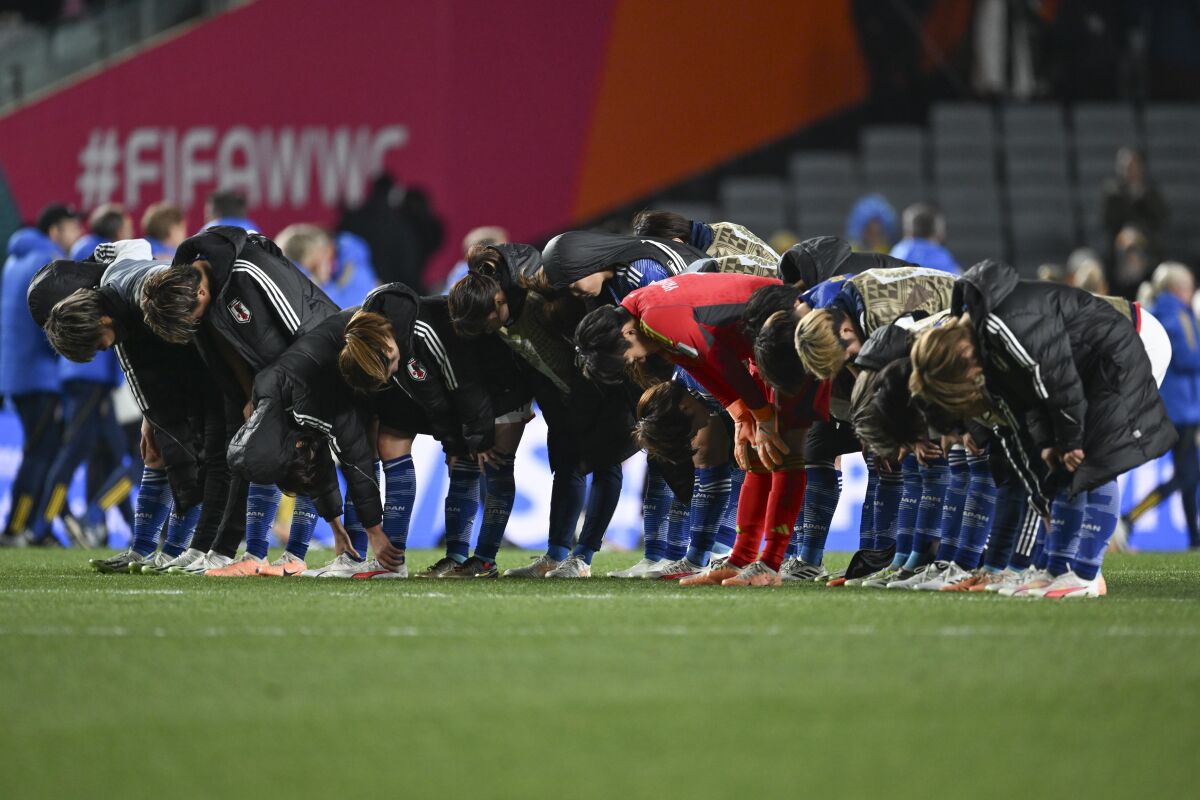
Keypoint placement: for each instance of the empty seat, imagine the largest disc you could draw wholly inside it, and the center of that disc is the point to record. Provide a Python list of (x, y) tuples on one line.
[(1034, 122), (824, 169), (760, 203), (972, 123)]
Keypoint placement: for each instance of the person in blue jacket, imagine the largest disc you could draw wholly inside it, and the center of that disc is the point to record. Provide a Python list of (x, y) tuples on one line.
[(924, 234), (341, 266), (28, 366), (1174, 289), (108, 223), (227, 207)]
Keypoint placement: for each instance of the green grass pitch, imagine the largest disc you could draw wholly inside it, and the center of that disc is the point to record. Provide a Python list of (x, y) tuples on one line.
[(145, 686)]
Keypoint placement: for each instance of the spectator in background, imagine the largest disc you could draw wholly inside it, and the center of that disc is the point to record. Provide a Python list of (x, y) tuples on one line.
[(484, 236), (109, 222), (1051, 273), (871, 226), (28, 366), (342, 268), (924, 238), (1132, 262), (399, 228), (163, 226), (1090, 277), (1130, 199), (1080, 258), (227, 207), (1174, 288)]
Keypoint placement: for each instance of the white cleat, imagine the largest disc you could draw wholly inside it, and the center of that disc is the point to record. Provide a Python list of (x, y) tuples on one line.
[(341, 567), (674, 570), (209, 560), (572, 567), (126, 561), (374, 571), (184, 559), (1069, 585), (948, 576), (880, 579), (536, 569), (639, 569), (1033, 584), (796, 569), (156, 564), (926, 573)]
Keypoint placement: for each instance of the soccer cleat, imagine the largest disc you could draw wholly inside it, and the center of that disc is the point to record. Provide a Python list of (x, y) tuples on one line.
[(1011, 580), (970, 579), (76, 531), (989, 581), (444, 566), (1070, 585), (800, 570), (154, 564), (572, 567), (344, 566), (209, 560), (754, 574), (475, 567), (639, 569), (674, 570), (537, 569), (880, 579), (718, 570), (244, 567), (121, 562), (948, 573), (913, 579), (182, 560), (286, 566), (374, 571), (1033, 584)]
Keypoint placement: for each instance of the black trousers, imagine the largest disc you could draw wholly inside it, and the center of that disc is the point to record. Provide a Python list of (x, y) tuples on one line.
[(1186, 479)]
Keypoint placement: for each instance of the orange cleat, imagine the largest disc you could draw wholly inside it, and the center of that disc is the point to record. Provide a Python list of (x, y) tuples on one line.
[(756, 574), (713, 576), (244, 567), (285, 566)]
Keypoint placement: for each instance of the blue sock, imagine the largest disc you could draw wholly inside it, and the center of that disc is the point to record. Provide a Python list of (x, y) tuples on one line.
[(602, 498), (180, 530), (153, 505), (358, 534), (462, 504), (978, 513), (1062, 543), (568, 493), (866, 527), (497, 507), (399, 496), (678, 534), (1011, 516), (655, 508), (935, 480), (710, 496), (953, 505), (906, 513), (796, 543), (886, 505), (821, 494), (304, 522), (1099, 523), (262, 502), (727, 532)]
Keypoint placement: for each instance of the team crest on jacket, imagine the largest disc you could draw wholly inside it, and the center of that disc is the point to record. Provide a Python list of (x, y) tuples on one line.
[(416, 371), (239, 311)]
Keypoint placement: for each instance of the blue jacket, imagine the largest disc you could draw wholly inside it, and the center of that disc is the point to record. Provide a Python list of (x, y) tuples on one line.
[(1180, 388), (237, 222), (823, 294), (27, 362), (353, 276), (103, 368), (160, 250), (926, 253)]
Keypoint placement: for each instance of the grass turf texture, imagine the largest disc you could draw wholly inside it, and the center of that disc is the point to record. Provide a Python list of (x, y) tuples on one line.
[(145, 686)]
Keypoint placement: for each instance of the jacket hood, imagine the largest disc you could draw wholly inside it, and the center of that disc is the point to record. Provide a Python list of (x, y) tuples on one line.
[(577, 254), (814, 260), (519, 260), (983, 287), (885, 345), (27, 240), (399, 304), (55, 281), (219, 246)]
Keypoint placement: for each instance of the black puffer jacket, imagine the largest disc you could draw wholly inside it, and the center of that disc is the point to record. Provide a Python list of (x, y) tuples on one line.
[(1069, 368), (303, 390), (818, 259)]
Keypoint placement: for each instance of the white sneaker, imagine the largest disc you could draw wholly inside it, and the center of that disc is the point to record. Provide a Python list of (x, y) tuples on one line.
[(949, 575), (209, 560), (341, 567), (1070, 585), (375, 571), (925, 573), (1033, 581), (184, 559), (673, 570), (156, 564), (536, 569), (796, 569), (125, 561), (639, 569), (572, 567)]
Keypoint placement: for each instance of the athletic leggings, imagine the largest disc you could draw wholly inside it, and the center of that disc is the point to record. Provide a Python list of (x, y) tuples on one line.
[(42, 432)]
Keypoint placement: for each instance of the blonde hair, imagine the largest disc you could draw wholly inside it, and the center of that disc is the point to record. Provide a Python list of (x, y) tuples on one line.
[(821, 354), (363, 361), (159, 219), (940, 370), (298, 241), (1169, 275)]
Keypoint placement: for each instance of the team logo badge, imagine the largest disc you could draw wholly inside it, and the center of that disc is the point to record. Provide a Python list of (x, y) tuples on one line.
[(416, 371), (239, 311)]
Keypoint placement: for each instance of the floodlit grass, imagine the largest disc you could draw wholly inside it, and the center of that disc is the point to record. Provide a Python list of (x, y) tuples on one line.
[(163, 686)]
